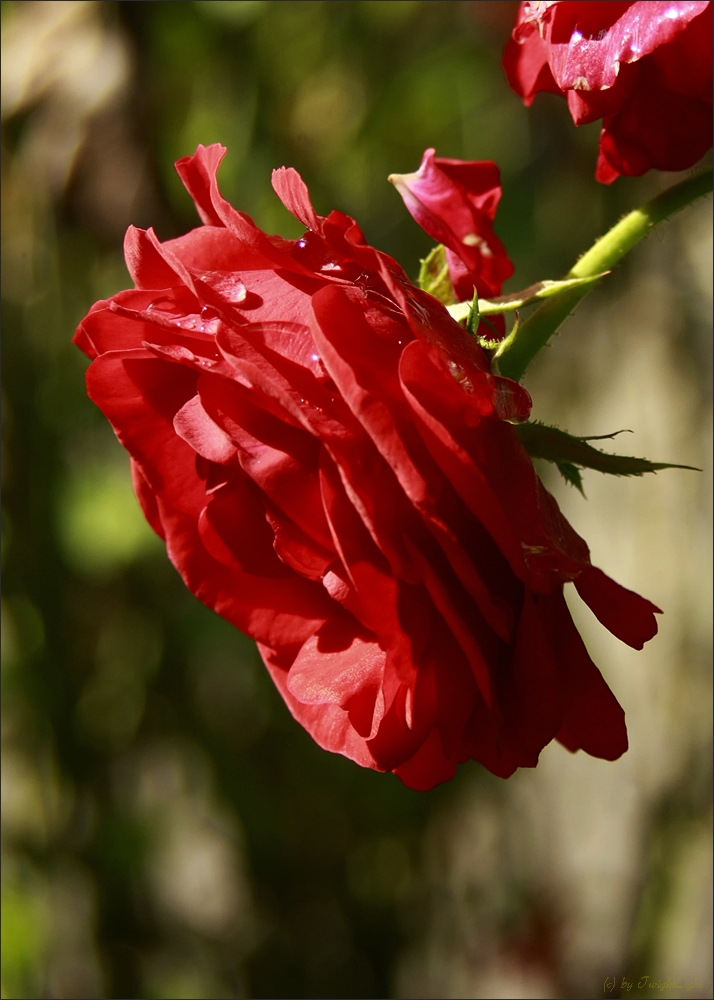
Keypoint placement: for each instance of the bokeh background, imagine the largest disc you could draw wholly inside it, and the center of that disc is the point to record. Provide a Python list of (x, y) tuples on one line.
[(168, 830)]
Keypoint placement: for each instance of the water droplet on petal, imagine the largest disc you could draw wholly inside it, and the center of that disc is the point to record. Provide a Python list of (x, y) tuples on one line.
[(227, 284), (183, 353), (460, 376), (165, 304), (209, 320), (186, 322)]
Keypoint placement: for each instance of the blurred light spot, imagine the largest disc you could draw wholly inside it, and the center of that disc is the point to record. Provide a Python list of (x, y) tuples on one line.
[(162, 773), (37, 801), (173, 976), (329, 108), (236, 12), (195, 868), (57, 46), (22, 809), (683, 938), (195, 874), (101, 526), (388, 16), (23, 930), (62, 55)]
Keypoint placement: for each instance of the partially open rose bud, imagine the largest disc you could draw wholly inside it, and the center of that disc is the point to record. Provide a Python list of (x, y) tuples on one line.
[(455, 201)]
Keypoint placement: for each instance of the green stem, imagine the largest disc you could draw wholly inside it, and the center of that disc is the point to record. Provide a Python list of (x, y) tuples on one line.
[(518, 351)]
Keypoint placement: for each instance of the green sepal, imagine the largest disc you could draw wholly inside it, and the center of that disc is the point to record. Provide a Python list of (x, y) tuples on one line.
[(570, 453), (516, 300), (472, 318), (435, 279), (473, 324)]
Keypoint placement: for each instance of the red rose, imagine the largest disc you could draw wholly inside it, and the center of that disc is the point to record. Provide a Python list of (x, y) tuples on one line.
[(645, 68), (333, 467)]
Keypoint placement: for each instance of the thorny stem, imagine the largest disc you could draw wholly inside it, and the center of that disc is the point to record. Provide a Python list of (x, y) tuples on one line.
[(517, 352)]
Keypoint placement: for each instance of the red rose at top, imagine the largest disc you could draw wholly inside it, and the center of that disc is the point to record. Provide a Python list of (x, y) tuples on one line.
[(645, 68)]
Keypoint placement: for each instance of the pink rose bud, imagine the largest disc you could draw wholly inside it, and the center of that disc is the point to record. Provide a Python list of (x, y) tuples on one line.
[(455, 201)]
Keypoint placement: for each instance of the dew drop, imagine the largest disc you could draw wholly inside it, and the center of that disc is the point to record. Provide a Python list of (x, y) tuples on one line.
[(209, 320), (460, 376), (182, 353), (186, 322), (165, 304)]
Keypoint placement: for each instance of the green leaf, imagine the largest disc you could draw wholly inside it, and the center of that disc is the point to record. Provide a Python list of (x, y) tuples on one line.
[(571, 474), (516, 300), (571, 453), (435, 279)]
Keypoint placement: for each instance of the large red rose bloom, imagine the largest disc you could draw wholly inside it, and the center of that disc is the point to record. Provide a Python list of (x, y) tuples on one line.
[(645, 68), (334, 469)]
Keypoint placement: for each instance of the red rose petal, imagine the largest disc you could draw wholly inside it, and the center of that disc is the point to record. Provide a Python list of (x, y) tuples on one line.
[(329, 725), (593, 720), (623, 612)]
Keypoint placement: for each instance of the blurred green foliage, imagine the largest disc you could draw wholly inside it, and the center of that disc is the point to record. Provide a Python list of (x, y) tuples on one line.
[(130, 708)]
